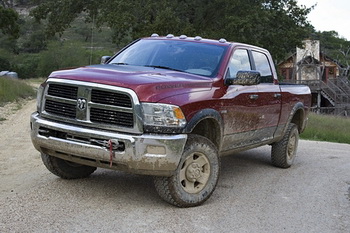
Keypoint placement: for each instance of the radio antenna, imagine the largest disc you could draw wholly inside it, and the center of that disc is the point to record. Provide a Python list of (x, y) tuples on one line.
[(92, 38)]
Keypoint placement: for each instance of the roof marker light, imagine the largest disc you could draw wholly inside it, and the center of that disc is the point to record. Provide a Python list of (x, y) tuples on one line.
[(183, 37), (154, 35), (170, 36), (222, 40), (197, 38)]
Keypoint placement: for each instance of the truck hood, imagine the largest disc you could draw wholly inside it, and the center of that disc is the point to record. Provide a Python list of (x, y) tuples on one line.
[(150, 84)]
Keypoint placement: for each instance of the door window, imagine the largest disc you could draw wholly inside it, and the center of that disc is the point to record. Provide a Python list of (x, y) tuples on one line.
[(263, 66), (239, 61)]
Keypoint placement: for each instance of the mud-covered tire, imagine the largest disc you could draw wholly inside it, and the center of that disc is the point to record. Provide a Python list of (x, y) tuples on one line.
[(195, 178), (66, 169), (283, 152)]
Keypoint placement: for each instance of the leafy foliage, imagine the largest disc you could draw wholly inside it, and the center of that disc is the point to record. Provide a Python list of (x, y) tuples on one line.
[(62, 55), (4, 64), (335, 47), (94, 28), (8, 22), (276, 25), (33, 38), (5, 60), (26, 65)]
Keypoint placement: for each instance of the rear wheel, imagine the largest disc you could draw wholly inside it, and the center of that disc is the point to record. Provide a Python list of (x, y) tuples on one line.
[(66, 169), (283, 153), (195, 178)]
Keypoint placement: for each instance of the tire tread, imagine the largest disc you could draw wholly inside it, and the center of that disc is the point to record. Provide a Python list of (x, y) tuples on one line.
[(278, 151), (166, 186), (60, 168)]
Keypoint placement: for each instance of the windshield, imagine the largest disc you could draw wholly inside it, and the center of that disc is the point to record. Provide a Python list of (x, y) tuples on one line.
[(190, 57)]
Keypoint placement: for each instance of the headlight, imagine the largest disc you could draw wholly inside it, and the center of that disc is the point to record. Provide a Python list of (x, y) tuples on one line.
[(163, 115), (39, 95)]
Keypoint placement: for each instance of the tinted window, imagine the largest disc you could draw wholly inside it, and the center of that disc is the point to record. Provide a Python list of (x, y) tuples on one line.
[(239, 61), (263, 66)]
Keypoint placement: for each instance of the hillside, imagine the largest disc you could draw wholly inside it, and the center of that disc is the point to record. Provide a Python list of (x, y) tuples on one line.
[(39, 50)]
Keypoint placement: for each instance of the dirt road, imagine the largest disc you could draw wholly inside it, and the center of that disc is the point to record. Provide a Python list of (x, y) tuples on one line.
[(252, 196)]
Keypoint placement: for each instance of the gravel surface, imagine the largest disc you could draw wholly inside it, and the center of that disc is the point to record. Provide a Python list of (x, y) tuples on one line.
[(251, 196)]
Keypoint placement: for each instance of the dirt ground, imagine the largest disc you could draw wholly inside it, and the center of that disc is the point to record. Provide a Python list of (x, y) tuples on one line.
[(251, 196), (17, 154)]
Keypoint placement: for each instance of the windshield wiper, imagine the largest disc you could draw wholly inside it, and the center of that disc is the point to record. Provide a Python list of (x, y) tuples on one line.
[(120, 63), (163, 67)]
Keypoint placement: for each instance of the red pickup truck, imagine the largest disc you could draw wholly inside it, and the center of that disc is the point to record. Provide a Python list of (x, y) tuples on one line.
[(168, 107)]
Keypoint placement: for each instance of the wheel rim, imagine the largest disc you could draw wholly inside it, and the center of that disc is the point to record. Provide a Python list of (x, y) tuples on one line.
[(292, 146), (195, 173)]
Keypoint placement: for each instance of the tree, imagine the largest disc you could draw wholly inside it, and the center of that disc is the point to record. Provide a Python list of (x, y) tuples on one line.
[(4, 64), (32, 37), (335, 47), (278, 25), (8, 22), (6, 4)]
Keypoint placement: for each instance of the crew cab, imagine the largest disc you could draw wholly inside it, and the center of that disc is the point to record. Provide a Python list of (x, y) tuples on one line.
[(168, 106)]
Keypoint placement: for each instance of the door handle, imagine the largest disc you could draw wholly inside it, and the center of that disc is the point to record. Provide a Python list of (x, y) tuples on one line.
[(253, 97), (277, 95)]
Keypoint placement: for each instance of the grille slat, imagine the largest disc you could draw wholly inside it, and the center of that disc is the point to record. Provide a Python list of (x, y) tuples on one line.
[(64, 91), (111, 117), (111, 98), (61, 109)]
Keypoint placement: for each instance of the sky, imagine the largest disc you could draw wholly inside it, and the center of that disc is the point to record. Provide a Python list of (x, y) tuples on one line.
[(330, 15)]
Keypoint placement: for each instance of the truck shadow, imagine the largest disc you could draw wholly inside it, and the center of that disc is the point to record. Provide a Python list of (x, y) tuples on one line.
[(120, 188), (251, 158)]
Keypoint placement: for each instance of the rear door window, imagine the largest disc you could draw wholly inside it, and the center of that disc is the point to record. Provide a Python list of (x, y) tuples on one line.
[(263, 66)]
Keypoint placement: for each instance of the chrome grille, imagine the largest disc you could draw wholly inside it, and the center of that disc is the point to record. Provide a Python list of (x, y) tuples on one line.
[(105, 106), (60, 109), (124, 119), (64, 91), (110, 98)]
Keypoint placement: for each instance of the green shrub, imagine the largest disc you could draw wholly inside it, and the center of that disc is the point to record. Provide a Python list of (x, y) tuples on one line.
[(62, 55), (26, 65), (5, 60), (97, 54), (4, 64)]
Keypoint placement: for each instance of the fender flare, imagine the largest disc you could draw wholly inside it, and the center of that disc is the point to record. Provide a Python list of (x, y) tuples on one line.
[(302, 122), (205, 114)]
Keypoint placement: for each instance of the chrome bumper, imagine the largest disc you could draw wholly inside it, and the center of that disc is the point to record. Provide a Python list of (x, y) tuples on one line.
[(150, 154)]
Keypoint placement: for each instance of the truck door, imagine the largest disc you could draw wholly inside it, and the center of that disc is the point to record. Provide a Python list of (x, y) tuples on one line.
[(268, 102), (238, 106)]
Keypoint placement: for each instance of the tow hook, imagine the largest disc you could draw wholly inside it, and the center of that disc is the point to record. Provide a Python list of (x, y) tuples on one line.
[(106, 144), (111, 145)]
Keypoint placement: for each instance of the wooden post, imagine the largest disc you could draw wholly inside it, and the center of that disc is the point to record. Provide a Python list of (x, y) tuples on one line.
[(318, 102)]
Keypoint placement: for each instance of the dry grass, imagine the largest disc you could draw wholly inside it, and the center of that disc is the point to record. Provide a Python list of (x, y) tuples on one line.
[(12, 90)]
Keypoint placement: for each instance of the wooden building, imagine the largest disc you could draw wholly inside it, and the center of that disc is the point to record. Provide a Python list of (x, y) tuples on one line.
[(330, 91)]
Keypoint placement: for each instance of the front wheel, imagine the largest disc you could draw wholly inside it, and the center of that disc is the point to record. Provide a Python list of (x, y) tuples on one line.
[(195, 178), (283, 152), (66, 169)]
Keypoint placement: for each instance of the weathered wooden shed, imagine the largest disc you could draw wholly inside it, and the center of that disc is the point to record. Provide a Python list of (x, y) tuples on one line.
[(330, 91)]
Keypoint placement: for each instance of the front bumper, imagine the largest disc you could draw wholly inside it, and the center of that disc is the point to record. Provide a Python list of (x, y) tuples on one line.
[(150, 154)]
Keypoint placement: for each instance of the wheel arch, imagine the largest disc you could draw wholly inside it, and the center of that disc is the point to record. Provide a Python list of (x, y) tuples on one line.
[(207, 123), (298, 116)]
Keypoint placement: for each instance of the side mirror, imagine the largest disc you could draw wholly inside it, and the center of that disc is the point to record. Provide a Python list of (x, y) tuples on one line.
[(105, 59), (245, 78)]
